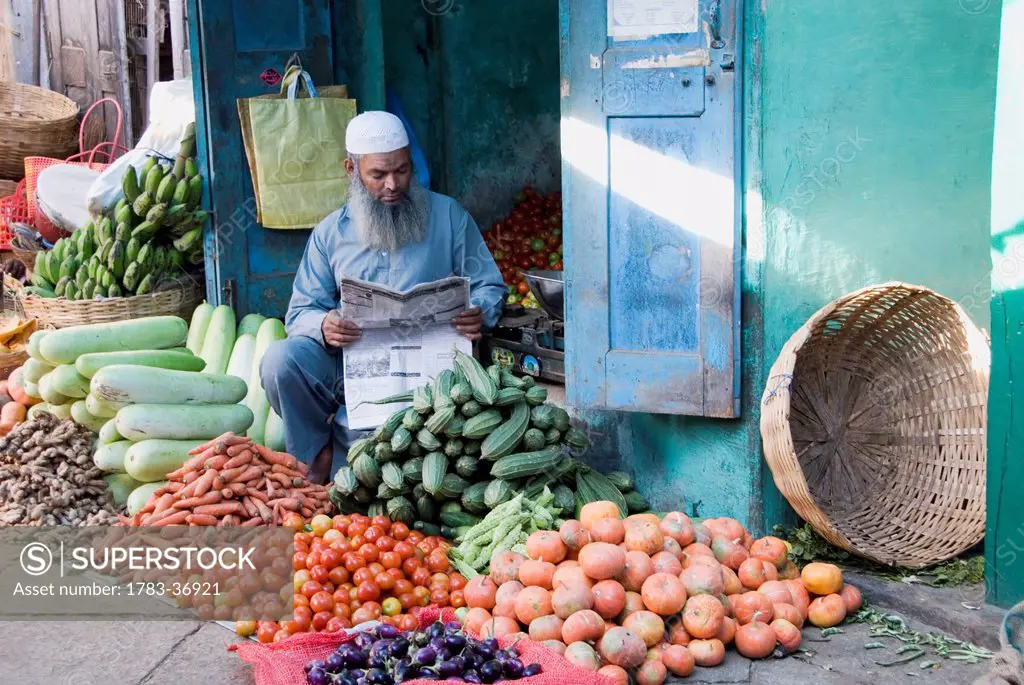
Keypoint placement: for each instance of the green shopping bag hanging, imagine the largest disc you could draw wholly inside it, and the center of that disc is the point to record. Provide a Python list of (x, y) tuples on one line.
[(295, 147)]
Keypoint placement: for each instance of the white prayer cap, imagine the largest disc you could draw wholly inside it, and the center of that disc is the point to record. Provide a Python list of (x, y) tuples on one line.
[(375, 133)]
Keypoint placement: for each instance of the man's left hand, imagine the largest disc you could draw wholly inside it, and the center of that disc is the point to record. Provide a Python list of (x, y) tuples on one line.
[(470, 323)]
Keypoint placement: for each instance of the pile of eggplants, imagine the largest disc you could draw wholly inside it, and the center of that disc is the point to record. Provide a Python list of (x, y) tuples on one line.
[(385, 655)]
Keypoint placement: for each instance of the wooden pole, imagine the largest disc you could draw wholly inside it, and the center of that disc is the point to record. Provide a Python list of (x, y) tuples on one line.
[(6, 41)]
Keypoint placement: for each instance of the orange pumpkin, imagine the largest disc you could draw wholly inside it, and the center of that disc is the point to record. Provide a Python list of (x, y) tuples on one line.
[(822, 579), (609, 598), (777, 591), (755, 640), (607, 530), (651, 672), (677, 635), (704, 579), (475, 619), (546, 628), (647, 625), (616, 673), (663, 594), (602, 560), (574, 535), (545, 545), (536, 573), (788, 612), (678, 660), (827, 611), (801, 598), (707, 653), (583, 626), (786, 634), (770, 549), (729, 553), (697, 549), (532, 603), (752, 607), (851, 598), (727, 633), (634, 603), (505, 567), (702, 616), (597, 510), (637, 569), (678, 526), (583, 655), (505, 599), (664, 562), (731, 582), (753, 573), (644, 536)]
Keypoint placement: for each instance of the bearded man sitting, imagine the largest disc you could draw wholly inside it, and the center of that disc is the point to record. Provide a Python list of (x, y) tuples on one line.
[(392, 231)]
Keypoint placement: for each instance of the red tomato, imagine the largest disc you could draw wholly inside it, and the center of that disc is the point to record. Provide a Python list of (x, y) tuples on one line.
[(313, 559), (410, 566), (421, 576), (302, 616), (414, 536), (321, 620), (282, 634), (408, 622), (390, 560), (356, 528), (331, 558), (298, 561), (373, 532), (319, 574), (369, 552), (341, 522), (439, 597), (381, 521), (356, 542), (362, 575), (399, 531), (300, 600), (338, 575), (368, 591), (354, 562), (408, 600), (522, 287), (311, 587), (457, 581), (321, 601), (335, 625), (265, 631), (385, 581), (404, 550), (402, 587), (457, 599), (385, 543)]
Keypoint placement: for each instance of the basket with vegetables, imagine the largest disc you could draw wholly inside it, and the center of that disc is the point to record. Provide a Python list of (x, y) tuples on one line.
[(467, 442), (144, 245)]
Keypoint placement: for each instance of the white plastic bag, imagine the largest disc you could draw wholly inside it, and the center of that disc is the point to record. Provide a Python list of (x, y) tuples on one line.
[(172, 109)]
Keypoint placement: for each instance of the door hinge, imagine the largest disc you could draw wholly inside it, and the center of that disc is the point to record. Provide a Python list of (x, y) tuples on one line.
[(228, 292)]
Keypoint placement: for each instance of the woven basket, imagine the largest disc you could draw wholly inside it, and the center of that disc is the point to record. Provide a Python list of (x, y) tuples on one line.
[(9, 361), (34, 121), (873, 422), (178, 300)]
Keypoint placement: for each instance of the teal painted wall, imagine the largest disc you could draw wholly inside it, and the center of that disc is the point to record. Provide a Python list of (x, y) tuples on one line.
[(1004, 543)]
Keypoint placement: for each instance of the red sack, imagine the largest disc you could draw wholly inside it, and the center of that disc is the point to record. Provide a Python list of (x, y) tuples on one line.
[(282, 663)]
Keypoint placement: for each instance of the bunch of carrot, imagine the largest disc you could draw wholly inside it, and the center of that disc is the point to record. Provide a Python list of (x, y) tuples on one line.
[(231, 481)]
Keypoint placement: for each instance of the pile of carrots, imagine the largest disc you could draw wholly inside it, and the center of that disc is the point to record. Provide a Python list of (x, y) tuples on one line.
[(231, 481)]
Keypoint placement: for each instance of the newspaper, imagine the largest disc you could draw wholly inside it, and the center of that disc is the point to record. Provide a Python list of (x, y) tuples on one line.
[(408, 339)]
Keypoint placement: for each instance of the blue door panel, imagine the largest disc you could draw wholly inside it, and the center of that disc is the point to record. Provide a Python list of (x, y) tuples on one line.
[(233, 43), (652, 221)]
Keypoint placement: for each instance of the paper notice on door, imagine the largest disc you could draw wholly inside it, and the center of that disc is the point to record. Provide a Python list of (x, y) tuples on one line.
[(635, 19)]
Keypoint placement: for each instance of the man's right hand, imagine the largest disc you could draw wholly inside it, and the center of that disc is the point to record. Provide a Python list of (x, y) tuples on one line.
[(339, 332)]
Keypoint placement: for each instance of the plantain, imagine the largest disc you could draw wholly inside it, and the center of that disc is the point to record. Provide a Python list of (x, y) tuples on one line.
[(145, 286), (145, 230), (181, 191), (145, 257), (125, 216), (123, 232), (165, 191), (191, 168), (195, 191), (190, 239), (115, 260), (123, 202), (107, 277), (133, 249), (157, 213), (160, 259), (143, 204), (104, 231), (71, 291), (82, 274), (175, 259), (176, 214), (131, 276), (88, 289), (154, 177), (69, 267), (146, 166), (61, 286), (130, 184), (114, 290)]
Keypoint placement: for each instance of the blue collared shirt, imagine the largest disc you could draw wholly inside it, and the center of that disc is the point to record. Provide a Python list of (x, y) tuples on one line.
[(453, 246)]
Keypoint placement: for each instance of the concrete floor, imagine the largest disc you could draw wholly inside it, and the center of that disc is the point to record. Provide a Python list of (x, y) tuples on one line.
[(90, 653)]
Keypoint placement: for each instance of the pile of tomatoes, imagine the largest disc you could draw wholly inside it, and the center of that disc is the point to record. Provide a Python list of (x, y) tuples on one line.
[(530, 237), (352, 569)]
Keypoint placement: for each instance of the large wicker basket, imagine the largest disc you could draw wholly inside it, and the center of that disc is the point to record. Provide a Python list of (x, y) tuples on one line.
[(34, 121), (178, 300), (873, 422)]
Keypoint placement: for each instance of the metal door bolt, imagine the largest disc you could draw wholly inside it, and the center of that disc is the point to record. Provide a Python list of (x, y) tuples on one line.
[(686, 82), (709, 79)]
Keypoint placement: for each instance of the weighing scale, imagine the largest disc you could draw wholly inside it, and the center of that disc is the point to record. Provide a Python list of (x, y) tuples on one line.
[(532, 341)]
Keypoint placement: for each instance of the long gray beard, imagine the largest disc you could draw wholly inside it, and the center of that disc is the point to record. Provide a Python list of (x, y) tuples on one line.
[(387, 227)]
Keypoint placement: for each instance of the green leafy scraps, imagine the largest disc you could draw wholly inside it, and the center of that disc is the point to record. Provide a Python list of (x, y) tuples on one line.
[(808, 546), (914, 644)]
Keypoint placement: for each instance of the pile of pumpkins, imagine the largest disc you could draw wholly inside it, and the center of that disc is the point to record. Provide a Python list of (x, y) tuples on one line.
[(645, 596)]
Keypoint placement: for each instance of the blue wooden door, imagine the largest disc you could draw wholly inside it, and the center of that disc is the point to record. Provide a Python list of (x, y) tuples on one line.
[(233, 43), (652, 204)]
